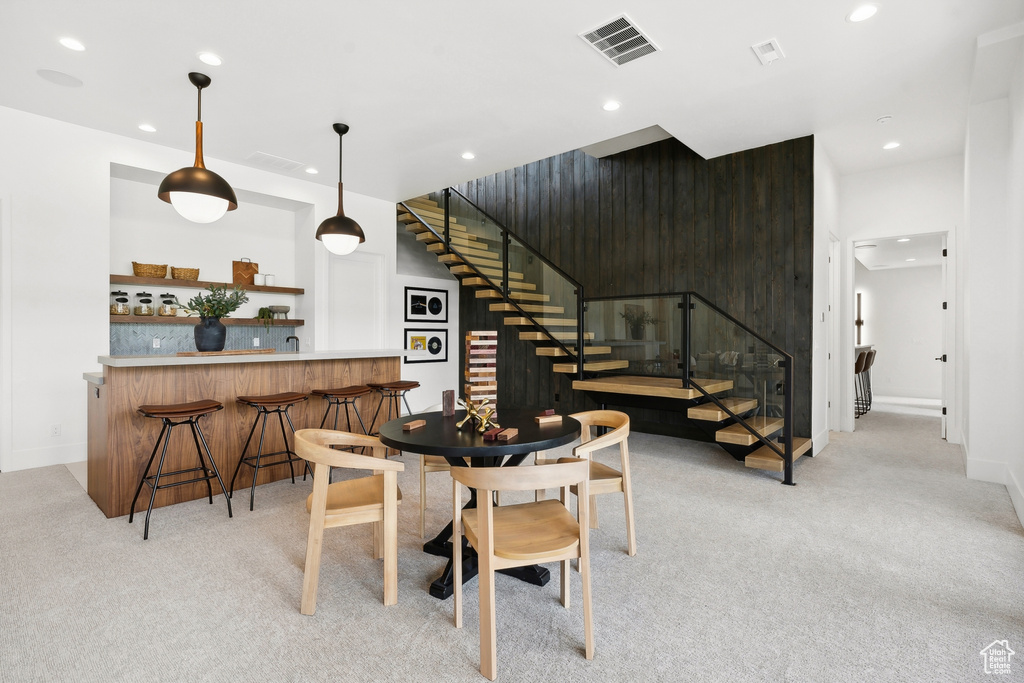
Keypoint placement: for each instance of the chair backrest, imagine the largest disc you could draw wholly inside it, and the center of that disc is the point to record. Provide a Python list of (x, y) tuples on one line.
[(577, 471), (314, 445), (615, 420), (870, 360), (862, 359)]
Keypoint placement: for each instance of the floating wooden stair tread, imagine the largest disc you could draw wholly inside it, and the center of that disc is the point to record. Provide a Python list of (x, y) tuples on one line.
[(712, 413), (515, 296), (457, 238), (529, 308), (665, 387), (420, 229), (593, 366), (557, 352), (436, 220), (480, 282), (765, 458), (490, 272), (738, 434), (560, 336), (480, 252), (543, 322)]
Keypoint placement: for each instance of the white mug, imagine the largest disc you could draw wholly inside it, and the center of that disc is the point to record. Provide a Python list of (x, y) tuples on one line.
[(269, 279), (258, 279)]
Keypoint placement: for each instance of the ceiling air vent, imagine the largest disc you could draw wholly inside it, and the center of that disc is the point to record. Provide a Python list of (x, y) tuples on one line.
[(274, 162), (619, 40), (768, 51)]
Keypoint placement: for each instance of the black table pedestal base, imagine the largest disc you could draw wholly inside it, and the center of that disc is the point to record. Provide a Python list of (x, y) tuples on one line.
[(443, 586)]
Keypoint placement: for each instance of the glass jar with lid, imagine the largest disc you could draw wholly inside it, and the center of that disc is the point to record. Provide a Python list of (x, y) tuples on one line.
[(119, 304), (168, 305), (143, 303)]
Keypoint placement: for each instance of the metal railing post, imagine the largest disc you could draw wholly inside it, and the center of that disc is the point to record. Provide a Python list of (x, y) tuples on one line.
[(581, 310), (505, 288), (447, 214), (787, 425), (685, 320)]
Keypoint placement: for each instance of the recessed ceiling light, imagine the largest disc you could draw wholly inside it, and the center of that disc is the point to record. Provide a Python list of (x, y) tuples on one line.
[(210, 58), (59, 78), (611, 105), (72, 44), (885, 118), (145, 127), (311, 171), (891, 145), (468, 155), (865, 246), (903, 239), (910, 259), (861, 13)]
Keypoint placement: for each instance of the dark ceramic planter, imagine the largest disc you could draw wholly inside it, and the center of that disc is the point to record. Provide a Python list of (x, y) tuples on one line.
[(210, 334)]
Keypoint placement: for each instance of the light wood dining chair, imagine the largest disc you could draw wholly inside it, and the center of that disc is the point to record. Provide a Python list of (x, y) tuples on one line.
[(373, 499), (603, 478), (520, 535)]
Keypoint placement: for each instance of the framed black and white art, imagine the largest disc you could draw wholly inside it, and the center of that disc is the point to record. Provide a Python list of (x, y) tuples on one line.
[(426, 305), (433, 341)]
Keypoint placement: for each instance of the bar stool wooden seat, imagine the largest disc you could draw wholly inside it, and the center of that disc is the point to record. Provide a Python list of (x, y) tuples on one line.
[(173, 415), (345, 396), (264, 405), (391, 392)]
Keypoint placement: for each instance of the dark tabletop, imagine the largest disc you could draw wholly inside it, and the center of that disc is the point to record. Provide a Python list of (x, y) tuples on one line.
[(440, 437)]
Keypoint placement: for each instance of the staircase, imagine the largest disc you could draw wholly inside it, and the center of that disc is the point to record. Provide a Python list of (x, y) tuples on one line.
[(738, 397)]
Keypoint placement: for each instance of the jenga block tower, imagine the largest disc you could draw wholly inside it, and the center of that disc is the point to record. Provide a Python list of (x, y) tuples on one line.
[(481, 366)]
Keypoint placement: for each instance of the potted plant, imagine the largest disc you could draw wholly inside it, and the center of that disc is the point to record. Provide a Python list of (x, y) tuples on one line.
[(210, 332), (637, 318), (267, 316)]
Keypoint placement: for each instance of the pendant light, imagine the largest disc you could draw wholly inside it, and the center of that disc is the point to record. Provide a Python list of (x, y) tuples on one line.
[(198, 194), (340, 234)]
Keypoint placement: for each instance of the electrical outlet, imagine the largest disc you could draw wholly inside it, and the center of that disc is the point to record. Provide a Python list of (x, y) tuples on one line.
[(156, 342), (256, 342), (55, 430)]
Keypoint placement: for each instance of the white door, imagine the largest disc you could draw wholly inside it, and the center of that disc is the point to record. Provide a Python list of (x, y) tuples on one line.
[(946, 329)]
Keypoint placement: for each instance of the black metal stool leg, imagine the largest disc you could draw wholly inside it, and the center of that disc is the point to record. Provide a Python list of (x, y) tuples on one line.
[(259, 456), (142, 480), (206, 470), (156, 483), (244, 449), (377, 412), (287, 448), (213, 465)]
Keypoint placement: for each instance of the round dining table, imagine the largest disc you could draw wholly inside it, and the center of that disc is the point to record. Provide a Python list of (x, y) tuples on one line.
[(441, 436)]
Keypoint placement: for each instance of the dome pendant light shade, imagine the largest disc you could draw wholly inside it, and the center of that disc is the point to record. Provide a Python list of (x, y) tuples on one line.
[(340, 234), (197, 193)]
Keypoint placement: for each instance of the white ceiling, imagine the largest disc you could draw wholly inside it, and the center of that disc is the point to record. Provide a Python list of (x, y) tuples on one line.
[(422, 82), (900, 252)]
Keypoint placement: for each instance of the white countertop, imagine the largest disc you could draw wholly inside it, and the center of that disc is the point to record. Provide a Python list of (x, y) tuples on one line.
[(282, 357)]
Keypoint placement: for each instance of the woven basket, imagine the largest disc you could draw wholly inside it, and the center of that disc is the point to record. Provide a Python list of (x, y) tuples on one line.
[(184, 273), (149, 270)]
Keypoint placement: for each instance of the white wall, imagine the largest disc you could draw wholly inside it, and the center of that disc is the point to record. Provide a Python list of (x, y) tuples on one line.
[(993, 294), (826, 222), (903, 320), (55, 191), (913, 199)]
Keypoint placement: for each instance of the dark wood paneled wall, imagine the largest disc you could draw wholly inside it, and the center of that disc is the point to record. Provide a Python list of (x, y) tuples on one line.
[(737, 229)]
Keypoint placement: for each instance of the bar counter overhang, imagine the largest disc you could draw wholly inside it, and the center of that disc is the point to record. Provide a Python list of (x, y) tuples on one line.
[(120, 440)]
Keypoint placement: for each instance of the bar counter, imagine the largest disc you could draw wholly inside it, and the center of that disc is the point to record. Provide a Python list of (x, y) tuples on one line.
[(121, 440)]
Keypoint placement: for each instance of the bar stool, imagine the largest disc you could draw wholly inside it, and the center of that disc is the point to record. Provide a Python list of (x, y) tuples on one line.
[(391, 392), (346, 396), (860, 402), (173, 415), (264, 405)]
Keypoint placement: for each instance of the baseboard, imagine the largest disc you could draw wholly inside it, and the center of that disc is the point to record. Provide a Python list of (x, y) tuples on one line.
[(983, 470), (819, 441), (1016, 492), (44, 457)]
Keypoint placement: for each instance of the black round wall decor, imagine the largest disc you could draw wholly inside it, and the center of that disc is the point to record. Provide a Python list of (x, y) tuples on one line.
[(434, 305), (434, 345)]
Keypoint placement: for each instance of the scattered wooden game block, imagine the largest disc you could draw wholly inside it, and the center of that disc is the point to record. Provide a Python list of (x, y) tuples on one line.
[(415, 424), (508, 434), (492, 434), (549, 411), (547, 419)]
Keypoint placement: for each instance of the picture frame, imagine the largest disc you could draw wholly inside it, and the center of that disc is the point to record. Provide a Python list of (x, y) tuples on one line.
[(432, 340), (424, 305)]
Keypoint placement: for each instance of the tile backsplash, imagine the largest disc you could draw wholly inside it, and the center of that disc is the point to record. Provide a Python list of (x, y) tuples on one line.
[(136, 339)]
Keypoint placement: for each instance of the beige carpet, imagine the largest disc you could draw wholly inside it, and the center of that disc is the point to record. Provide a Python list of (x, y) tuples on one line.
[(883, 564)]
